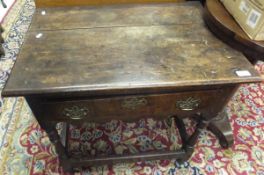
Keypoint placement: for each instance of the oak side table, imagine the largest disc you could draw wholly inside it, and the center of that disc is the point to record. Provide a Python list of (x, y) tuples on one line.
[(126, 62)]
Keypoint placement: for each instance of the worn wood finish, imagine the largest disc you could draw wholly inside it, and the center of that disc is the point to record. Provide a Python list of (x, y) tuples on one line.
[(102, 160), (60, 3), (224, 26), (139, 55), (94, 64), (1, 41), (132, 108), (71, 162), (115, 16)]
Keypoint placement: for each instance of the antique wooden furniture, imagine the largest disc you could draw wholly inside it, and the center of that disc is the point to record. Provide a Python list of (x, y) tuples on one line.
[(1, 41), (126, 62), (61, 3), (224, 26)]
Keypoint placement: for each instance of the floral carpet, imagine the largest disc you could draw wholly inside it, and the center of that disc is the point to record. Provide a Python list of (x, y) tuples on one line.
[(25, 148)]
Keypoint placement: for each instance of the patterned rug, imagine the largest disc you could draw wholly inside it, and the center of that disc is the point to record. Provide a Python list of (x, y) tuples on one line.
[(25, 148)]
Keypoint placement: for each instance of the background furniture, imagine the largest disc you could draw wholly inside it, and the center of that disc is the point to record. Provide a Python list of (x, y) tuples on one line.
[(224, 26)]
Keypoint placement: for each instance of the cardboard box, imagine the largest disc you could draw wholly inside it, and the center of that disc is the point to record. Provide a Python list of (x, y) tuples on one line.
[(249, 14)]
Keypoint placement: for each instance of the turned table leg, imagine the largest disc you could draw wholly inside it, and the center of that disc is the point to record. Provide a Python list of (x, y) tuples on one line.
[(188, 142), (50, 128), (220, 126)]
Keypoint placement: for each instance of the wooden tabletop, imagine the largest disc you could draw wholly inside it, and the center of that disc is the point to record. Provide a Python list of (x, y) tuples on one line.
[(125, 47)]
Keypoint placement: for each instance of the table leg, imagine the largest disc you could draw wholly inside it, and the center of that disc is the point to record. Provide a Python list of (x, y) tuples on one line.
[(188, 142), (50, 128), (220, 126)]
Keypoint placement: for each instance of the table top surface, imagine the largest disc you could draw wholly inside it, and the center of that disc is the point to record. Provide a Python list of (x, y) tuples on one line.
[(131, 47)]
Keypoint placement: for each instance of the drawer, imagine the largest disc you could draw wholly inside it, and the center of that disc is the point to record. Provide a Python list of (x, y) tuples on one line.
[(132, 108)]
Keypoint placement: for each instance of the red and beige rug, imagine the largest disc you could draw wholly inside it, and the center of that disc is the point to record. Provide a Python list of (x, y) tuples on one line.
[(25, 149)]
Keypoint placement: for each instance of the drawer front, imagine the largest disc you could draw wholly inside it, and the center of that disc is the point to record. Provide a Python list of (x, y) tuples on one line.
[(131, 108)]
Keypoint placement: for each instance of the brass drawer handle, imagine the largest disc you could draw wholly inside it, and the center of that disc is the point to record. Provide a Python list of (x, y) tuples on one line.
[(134, 102), (189, 104), (76, 112)]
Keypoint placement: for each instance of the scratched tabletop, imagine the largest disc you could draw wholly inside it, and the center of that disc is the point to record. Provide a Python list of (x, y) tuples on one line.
[(69, 49)]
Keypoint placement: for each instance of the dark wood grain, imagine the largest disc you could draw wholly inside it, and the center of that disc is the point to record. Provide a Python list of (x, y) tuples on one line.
[(132, 108), (115, 16), (140, 55), (110, 160), (94, 64), (60, 3), (224, 26)]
